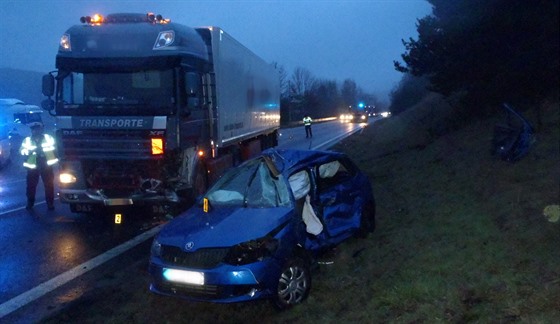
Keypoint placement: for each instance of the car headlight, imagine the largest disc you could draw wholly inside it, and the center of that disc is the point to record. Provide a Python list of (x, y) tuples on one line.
[(155, 250), (251, 251)]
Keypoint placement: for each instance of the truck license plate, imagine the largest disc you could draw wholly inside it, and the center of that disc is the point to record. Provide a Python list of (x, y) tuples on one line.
[(84, 208)]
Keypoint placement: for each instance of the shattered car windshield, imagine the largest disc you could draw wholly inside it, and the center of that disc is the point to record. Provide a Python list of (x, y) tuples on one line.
[(145, 90), (250, 185)]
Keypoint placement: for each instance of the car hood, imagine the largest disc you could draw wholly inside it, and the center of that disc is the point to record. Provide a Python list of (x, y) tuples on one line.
[(222, 227)]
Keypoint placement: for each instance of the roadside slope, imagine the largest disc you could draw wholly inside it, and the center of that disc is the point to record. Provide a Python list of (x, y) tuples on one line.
[(460, 238), (461, 235)]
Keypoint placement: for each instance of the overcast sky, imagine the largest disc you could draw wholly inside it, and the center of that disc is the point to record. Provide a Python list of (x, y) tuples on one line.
[(333, 39)]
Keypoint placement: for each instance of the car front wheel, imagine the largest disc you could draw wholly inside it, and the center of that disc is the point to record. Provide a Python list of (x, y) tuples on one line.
[(294, 284)]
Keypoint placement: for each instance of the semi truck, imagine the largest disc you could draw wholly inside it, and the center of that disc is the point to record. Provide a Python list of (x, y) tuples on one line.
[(150, 112)]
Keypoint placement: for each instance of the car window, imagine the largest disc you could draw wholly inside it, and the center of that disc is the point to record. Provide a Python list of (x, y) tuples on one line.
[(250, 185), (333, 173), (266, 190), (299, 183)]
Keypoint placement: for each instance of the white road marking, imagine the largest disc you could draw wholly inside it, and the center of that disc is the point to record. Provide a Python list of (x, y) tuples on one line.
[(48, 286), (335, 139)]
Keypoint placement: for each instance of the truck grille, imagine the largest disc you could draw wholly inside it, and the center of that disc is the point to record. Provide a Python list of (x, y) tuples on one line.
[(107, 144), (201, 259)]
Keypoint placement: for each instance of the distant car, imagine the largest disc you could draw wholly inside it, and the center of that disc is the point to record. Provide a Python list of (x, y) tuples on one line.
[(383, 114), (256, 232), (356, 117)]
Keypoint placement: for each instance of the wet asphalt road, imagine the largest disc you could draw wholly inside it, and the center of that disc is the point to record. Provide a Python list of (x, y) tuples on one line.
[(41, 249)]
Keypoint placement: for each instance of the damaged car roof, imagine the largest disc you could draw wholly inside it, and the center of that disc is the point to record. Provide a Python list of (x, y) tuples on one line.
[(287, 160)]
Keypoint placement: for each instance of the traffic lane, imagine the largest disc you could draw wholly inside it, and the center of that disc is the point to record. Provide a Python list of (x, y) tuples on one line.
[(129, 268), (38, 245), (324, 135), (12, 185), (35, 246)]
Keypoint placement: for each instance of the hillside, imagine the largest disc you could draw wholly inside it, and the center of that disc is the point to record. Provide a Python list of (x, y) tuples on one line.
[(461, 237), (20, 84)]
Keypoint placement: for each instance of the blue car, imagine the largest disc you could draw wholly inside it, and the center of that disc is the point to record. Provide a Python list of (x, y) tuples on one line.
[(258, 230)]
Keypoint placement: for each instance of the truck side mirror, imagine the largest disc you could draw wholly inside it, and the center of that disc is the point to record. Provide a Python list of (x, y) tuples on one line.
[(48, 85)]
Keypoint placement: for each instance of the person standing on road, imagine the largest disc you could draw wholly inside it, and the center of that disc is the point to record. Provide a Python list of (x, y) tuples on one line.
[(39, 150), (307, 123)]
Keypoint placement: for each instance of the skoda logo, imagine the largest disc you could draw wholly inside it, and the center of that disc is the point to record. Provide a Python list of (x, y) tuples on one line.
[(189, 245)]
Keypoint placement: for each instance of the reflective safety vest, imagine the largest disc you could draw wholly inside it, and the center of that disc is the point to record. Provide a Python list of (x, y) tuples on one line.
[(30, 149), (307, 121)]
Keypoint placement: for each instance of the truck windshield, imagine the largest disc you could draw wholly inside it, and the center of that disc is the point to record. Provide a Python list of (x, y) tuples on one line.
[(149, 92)]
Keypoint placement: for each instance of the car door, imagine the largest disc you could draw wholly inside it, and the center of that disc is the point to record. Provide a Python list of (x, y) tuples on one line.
[(338, 197)]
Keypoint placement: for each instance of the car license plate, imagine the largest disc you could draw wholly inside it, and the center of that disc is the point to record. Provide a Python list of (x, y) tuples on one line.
[(184, 276)]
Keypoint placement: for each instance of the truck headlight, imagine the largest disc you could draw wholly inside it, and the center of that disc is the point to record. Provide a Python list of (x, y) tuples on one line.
[(67, 178), (65, 44)]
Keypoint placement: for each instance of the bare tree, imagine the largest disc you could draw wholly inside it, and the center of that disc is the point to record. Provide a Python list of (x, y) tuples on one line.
[(349, 92), (302, 82), (284, 82)]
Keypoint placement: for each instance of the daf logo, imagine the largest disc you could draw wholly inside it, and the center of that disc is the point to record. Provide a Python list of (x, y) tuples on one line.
[(72, 132), (189, 246)]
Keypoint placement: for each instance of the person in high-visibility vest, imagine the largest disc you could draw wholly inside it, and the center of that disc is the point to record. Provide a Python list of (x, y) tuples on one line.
[(307, 123), (39, 149)]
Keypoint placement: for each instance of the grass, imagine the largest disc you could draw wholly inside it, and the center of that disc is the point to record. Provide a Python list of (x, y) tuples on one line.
[(460, 237)]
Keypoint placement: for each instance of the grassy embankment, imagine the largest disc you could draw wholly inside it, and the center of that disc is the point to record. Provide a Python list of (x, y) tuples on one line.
[(461, 237)]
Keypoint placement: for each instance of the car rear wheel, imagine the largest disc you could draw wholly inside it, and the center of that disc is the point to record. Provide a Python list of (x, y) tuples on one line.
[(367, 222), (294, 284)]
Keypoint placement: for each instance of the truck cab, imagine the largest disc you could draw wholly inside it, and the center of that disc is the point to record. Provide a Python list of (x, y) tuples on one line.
[(139, 104)]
